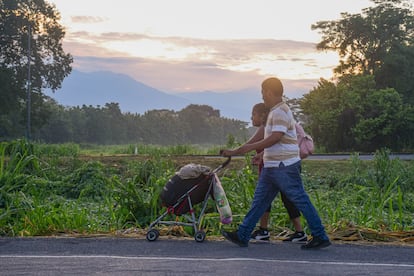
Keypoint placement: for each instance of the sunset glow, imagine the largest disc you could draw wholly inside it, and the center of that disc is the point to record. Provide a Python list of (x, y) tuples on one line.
[(211, 40)]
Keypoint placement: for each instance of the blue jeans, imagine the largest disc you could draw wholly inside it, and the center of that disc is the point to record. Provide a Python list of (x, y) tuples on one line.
[(285, 179)]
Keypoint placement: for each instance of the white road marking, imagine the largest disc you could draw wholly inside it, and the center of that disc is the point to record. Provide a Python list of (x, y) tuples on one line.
[(201, 259)]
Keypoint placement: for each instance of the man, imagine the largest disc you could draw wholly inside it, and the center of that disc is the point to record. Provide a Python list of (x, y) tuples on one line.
[(259, 118), (281, 172)]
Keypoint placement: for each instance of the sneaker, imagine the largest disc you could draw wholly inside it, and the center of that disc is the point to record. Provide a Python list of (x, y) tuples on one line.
[(234, 238), (316, 243), (297, 237), (260, 234)]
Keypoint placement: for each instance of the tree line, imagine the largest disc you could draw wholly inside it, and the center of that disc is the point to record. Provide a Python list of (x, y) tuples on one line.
[(194, 124)]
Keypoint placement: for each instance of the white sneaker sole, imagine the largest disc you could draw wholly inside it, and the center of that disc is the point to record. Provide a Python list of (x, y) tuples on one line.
[(299, 240), (261, 238)]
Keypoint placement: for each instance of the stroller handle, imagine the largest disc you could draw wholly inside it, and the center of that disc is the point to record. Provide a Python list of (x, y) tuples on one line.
[(225, 163)]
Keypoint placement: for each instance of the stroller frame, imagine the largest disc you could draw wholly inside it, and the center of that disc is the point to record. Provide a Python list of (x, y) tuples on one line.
[(192, 220)]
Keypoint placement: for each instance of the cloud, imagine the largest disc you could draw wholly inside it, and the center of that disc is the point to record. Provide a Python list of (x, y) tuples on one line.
[(172, 77), (226, 48), (179, 64), (88, 19)]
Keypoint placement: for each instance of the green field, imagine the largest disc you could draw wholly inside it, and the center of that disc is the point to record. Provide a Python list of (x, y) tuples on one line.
[(81, 190)]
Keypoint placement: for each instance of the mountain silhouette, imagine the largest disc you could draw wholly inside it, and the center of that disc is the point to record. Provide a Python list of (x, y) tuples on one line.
[(99, 88)]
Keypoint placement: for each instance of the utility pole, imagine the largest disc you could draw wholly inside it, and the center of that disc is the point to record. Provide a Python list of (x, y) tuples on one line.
[(28, 103)]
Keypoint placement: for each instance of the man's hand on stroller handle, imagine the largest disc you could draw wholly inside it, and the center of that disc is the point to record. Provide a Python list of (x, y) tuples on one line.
[(240, 150), (227, 153)]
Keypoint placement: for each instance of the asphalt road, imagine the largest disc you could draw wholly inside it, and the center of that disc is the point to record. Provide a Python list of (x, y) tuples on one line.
[(129, 256), (401, 156)]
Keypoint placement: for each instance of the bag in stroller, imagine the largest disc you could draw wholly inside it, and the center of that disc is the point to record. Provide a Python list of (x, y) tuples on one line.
[(176, 187)]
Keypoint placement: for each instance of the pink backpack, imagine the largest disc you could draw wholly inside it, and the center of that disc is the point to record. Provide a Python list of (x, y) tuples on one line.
[(305, 142)]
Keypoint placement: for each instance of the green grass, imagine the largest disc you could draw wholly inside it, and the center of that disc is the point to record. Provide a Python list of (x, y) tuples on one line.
[(88, 149), (54, 190)]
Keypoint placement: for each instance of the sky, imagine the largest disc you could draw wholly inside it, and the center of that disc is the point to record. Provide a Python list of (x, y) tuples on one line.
[(215, 45)]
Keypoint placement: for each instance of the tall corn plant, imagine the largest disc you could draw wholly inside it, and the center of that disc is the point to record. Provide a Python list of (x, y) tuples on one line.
[(372, 198), (18, 164), (387, 177), (136, 199)]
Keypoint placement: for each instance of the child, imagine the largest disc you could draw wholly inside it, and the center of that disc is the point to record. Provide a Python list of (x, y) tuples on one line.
[(259, 116)]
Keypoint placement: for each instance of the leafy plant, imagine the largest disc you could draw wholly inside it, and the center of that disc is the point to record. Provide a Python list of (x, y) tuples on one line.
[(75, 194), (88, 181)]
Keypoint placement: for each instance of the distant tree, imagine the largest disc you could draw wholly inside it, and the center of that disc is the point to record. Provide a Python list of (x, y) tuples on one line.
[(374, 92), (115, 122), (354, 115), (324, 105), (11, 91), (31, 24), (95, 124), (36, 21), (162, 127), (381, 121), (364, 40), (134, 130), (58, 127), (294, 105), (196, 122), (397, 71), (78, 121), (10, 102)]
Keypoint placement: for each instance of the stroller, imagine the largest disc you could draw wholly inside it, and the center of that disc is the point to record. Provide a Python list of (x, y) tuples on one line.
[(180, 195)]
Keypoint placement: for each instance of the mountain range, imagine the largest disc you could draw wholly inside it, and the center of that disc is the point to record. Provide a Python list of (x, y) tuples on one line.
[(99, 88)]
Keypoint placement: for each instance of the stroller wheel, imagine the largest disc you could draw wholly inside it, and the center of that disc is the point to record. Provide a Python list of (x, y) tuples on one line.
[(200, 236), (152, 235)]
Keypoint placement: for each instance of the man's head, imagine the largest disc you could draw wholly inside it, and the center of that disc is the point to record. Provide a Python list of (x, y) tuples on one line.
[(272, 91)]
